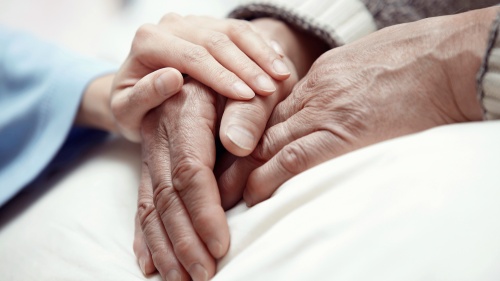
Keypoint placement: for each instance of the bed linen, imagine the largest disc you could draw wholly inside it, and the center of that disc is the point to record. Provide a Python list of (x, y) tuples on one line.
[(421, 207)]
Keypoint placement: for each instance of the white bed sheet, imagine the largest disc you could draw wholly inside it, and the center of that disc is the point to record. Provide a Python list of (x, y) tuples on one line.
[(422, 207)]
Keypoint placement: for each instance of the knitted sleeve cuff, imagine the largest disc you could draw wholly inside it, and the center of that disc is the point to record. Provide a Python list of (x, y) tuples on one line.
[(336, 22), (489, 76)]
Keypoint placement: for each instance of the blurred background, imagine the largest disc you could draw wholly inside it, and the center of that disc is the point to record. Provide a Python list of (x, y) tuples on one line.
[(101, 28)]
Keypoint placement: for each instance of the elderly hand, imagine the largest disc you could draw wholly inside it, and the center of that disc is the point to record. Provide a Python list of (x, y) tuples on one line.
[(179, 208), (228, 56), (397, 81)]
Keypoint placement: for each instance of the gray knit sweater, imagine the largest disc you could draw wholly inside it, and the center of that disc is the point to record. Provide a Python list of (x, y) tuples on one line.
[(338, 22)]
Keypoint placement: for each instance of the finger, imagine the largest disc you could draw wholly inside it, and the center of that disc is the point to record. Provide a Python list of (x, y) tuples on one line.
[(293, 159), (248, 39), (158, 49), (232, 182), (130, 105), (182, 142), (231, 57), (141, 250), (193, 158), (222, 48), (243, 123), (188, 247), (225, 160), (154, 233), (196, 185), (252, 43)]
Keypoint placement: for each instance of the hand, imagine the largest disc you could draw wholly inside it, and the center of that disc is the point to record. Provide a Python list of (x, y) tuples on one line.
[(397, 81), (228, 56), (179, 207)]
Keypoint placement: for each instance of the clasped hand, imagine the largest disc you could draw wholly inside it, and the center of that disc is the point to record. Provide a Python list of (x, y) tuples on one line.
[(181, 226), (386, 85)]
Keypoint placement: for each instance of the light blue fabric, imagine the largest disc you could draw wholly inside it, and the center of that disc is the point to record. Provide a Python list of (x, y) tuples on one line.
[(40, 90)]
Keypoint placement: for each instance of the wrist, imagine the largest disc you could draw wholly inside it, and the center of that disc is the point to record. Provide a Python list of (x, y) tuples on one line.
[(301, 48), (94, 111)]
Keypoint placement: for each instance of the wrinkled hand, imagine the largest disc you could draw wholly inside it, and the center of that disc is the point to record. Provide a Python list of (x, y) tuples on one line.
[(397, 81), (179, 210), (227, 55)]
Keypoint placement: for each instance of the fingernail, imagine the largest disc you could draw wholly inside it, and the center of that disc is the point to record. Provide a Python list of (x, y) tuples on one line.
[(241, 137), (215, 248), (280, 67), (198, 272), (277, 48), (173, 275), (142, 264), (265, 84), (242, 90), (166, 83)]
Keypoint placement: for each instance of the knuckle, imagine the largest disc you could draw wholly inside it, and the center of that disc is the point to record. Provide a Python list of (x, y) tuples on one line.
[(183, 246), (247, 66), (144, 33), (145, 210), (314, 80), (347, 121), (170, 18), (263, 152), (202, 219), (307, 91), (223, 76), (293, 159), (184, 173), (196, 55), (217, 41), (237, 27), (162, 258), (165, 199), (158, 256)]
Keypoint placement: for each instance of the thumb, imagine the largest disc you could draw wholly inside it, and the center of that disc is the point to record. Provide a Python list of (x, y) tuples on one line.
[(244, 122), (130, 105)]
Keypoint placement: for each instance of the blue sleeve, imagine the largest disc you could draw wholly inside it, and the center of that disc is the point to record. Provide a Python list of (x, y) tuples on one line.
[(40, 90)]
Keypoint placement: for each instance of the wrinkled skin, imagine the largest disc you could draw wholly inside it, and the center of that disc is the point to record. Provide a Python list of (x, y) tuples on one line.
[(179, 206), (398, 81)]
